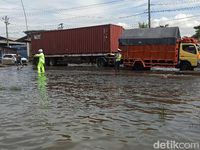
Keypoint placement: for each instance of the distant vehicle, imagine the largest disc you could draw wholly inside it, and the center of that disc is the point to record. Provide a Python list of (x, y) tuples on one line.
[(10, 59)]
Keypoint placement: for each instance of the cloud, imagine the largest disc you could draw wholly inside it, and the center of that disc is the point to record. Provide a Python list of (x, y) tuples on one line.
[(83, 12), (185, 22), (124, 25), (47, 14)]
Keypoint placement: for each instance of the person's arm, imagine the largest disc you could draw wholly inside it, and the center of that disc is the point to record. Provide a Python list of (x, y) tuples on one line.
[(37, 55)]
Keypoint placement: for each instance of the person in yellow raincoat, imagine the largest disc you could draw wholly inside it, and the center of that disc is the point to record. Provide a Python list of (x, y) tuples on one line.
[(118, 58), (41, 62)]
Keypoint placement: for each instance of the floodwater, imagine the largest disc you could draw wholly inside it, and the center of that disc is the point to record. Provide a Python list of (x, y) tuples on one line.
[(85, 108)]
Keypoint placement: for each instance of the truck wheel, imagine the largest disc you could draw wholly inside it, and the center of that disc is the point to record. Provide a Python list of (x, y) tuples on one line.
[(185, 66), (138, 66), (52, 62), (101, 62)]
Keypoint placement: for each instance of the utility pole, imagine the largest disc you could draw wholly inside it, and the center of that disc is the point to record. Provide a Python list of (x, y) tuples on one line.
[(149, 13), (24, 15), (6, 21)]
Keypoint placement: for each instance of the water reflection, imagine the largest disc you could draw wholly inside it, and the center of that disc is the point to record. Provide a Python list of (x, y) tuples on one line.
[(42, 88), (83, 108)]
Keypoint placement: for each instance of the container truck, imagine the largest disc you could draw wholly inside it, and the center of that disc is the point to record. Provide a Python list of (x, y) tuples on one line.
[(94, 44), (158, 47)]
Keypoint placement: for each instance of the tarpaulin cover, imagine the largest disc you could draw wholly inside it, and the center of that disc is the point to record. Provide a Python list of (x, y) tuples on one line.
[(150, 36)]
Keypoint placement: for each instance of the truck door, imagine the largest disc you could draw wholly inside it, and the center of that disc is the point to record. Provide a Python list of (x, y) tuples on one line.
[(189, 53)]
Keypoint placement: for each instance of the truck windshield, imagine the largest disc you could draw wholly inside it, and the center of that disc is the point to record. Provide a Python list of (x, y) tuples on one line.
[(189, 48)]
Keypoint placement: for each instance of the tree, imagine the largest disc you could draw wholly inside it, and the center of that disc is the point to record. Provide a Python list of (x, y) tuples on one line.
[(164, 26), (197, 32), (142, 25)]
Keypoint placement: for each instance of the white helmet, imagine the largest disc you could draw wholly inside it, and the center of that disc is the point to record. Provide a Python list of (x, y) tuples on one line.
[(119, 50), (40, 50)]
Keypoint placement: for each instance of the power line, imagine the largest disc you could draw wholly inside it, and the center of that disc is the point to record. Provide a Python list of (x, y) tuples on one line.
[(97, 17), (63, 11), (53, 26), (176, 3), (133, 15), (56, 11), (91, 5), (178, 9), (111, 18), (189, 17), (78, 7)]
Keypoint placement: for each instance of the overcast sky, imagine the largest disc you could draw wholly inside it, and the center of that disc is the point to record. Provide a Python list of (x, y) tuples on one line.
[(48, 14)]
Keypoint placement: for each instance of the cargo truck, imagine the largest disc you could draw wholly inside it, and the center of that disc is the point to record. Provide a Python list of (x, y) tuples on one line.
[(94, 44), (158, 47)]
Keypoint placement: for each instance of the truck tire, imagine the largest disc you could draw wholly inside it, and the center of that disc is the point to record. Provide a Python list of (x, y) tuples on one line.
[(138, 66), (101, 62), (52, 62), (184, 65)]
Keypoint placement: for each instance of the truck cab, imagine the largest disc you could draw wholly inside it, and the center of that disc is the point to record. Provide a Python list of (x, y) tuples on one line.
[(188, 54)]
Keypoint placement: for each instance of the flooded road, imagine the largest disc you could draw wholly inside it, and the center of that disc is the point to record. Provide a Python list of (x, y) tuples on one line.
[(85, 108)]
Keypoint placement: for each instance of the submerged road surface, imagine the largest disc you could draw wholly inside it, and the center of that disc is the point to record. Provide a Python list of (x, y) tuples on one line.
[(84, 108)]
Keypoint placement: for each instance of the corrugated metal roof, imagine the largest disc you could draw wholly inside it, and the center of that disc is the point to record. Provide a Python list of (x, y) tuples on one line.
[(10, 39), (11, 42)]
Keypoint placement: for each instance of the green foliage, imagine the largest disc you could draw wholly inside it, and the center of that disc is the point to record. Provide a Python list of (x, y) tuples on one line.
[(197, 32), (142, 25), (164, 26)]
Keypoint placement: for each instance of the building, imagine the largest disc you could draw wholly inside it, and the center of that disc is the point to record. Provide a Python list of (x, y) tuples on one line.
[(3, 46), (14, 47)]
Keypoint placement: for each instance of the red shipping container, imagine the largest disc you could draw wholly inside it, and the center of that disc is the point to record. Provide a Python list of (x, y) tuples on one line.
[(86, 40)]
